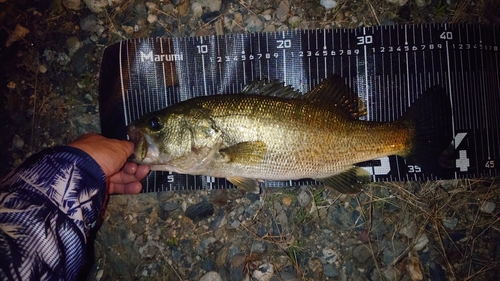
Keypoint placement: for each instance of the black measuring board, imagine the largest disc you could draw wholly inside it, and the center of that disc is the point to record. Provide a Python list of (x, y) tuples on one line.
[(388, 66)]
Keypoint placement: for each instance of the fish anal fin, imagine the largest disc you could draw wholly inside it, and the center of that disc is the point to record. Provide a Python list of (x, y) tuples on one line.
[(250, 185), (349, 181), (335, 92), (248, 153)]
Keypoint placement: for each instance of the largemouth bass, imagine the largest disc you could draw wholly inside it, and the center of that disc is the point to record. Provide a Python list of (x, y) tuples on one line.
[(272, 132)]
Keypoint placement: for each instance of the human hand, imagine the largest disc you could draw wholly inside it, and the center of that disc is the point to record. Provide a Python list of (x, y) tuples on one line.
[(112, 155)]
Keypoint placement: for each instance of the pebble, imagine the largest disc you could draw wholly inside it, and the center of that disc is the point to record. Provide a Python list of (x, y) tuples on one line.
[(264, 272), (409, 230), (421, 242), (487, 207), (414, 268), (421, 3), (210, 16), (208, 265), (42, 68), (316, 267), (73, 44), (200, 211), (196, 9), (341, 218), (392, 250), (287, 201), (362, 255), (73, 4), (304, 198), (17, 142), (89, 23), (212, 5), (283, 10), (168, 206), (329, 255), (205, 243), (98, 6), (253, 23), (235, 224), (258, 247), (152, 18), (328, 4), (294, 21), (211, 276), (330, 271), (392, 274), (450, 222), (398, 2)]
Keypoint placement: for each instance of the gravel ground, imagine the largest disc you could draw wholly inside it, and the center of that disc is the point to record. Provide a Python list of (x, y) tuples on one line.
[(49, 58)]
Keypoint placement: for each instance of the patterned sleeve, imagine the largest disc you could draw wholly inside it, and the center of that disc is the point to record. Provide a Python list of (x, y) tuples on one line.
[(50, 207)]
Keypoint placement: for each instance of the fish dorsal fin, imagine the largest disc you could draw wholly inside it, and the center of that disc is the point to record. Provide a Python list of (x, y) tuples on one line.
[(335, 92), (272, 89)]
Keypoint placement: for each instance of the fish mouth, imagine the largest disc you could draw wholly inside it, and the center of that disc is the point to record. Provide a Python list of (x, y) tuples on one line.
[(145, 149)]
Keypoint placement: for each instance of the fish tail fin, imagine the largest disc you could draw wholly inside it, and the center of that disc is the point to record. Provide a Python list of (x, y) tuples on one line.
[(430, 120)]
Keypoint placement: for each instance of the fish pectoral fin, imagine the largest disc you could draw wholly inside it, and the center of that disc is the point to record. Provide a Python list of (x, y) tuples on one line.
[(250, 185), (349, 181), (249, 153)]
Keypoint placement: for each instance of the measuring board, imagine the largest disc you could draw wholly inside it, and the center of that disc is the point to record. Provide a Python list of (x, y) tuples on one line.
[(388, 66)]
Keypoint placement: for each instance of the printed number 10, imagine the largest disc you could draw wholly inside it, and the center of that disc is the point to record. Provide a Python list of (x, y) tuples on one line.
[(202, 49)]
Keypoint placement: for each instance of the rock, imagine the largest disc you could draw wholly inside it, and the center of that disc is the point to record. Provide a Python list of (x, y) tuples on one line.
[(235, 224), (89, 23), (421, 242), (42, 68), (414, 268), (152, 18), (73, 4), (211, 276), (197, 9), (287, 201), (258, 247), (210, 16), (17, 142), (73, 44), (450, 222), (19, 33), (294, 21), (200, 211), (212, 5), (392, 250), (409, 230), (168, 206), (328, 4), (329, 255), (341, 218), (98, 6), (206, 242), (392, 274), (421, 3), (398, 2), (283, 10), (487, 207), (304, 198), (208, 265), (362, 255), (436, 272), (316, 267), (330, 271), (253, 24), (264, 272)]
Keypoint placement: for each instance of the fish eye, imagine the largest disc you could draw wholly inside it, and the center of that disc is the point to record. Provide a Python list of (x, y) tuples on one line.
[(154, 123)]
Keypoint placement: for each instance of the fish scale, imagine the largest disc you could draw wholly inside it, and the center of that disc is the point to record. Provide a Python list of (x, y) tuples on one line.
[(389, 67)]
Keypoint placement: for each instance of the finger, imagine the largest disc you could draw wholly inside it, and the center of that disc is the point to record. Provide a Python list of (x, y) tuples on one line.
[(128, 188)]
